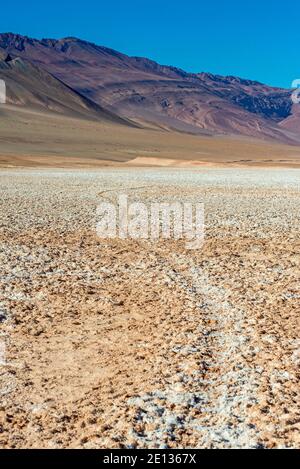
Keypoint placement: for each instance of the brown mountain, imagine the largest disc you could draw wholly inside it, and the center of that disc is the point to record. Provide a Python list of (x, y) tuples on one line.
[(33, 87), (141, 89)]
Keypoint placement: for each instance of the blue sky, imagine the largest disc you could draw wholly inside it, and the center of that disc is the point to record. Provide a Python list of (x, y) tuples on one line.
[(251, 39)]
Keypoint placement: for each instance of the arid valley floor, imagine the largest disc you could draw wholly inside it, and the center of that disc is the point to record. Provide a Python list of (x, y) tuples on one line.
[(135, 344)]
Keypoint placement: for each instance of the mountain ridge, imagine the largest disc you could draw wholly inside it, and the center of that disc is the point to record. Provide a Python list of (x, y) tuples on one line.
[(15, 37), (140, 89), (30, 86)]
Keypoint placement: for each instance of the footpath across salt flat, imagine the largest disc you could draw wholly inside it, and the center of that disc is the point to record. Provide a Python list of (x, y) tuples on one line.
[(131, 343)]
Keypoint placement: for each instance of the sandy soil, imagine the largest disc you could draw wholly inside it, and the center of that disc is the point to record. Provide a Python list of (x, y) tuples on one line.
[(31, 138), (122, 343)]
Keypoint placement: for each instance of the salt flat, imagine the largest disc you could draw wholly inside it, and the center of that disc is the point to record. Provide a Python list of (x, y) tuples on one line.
[(131, 343)]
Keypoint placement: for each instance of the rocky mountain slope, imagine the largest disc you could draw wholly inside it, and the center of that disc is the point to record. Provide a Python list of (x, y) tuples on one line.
[(33, 87), (168, 97)]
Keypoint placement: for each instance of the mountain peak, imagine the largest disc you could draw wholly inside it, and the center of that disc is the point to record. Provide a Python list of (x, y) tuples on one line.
[(63, 40), (16, 41)]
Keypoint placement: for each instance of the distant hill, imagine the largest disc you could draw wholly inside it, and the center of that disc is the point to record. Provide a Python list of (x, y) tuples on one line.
[(142, 90)]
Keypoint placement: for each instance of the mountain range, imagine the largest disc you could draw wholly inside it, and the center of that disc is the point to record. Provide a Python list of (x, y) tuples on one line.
[(79, 78)]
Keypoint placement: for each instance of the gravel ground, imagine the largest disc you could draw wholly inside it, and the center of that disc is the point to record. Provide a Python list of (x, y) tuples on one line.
[(133, 344)]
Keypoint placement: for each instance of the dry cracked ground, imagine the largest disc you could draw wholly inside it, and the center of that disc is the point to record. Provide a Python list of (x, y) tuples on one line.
[(136, 344)]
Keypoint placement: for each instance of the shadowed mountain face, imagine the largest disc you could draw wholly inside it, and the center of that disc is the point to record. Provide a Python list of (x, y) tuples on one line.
[(167, 97)]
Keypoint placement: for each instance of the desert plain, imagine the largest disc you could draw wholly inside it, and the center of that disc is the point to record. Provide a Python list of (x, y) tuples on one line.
[(140, 344)]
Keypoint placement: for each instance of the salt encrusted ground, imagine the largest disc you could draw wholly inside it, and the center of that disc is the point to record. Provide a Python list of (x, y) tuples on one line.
[(134, 344)]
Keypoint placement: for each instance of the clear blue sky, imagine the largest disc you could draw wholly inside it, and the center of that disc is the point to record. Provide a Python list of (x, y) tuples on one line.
[(255, 39)]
